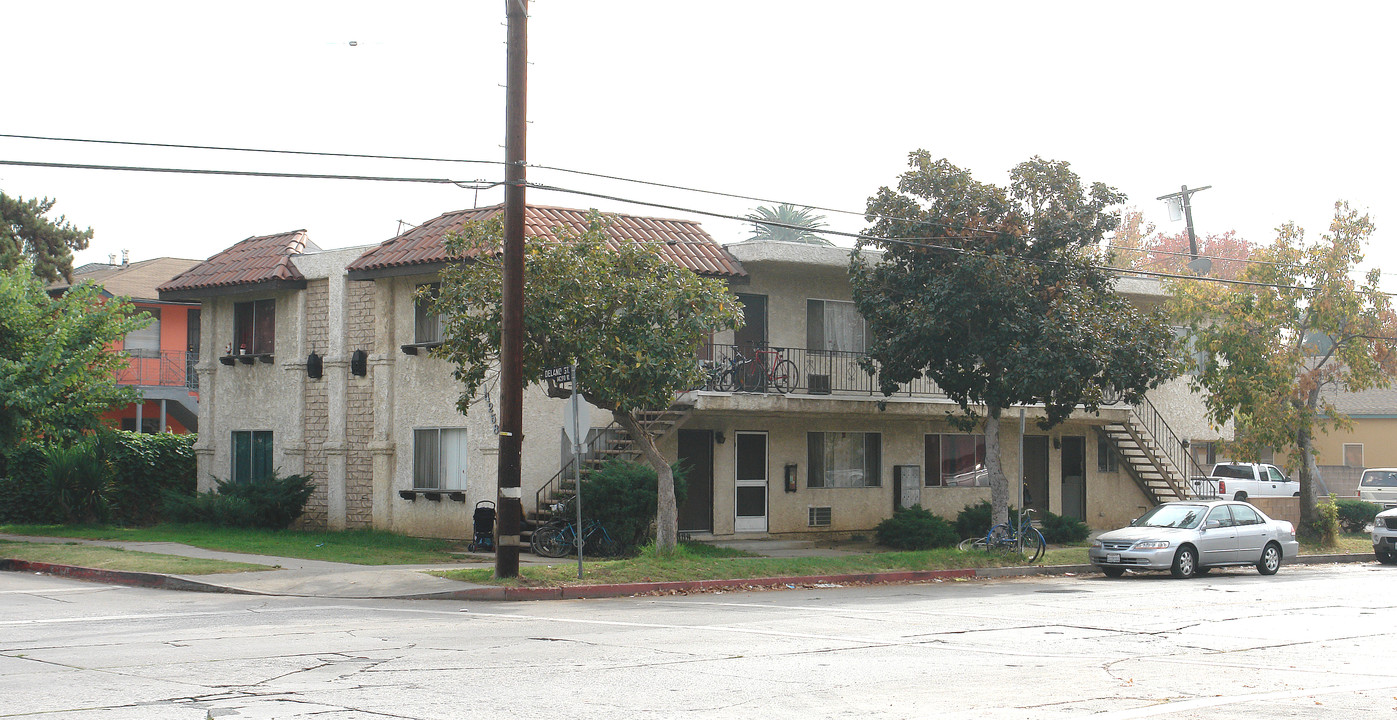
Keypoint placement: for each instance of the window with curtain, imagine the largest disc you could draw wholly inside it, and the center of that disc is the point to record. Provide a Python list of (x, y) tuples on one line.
[(834, 326), (844, 459), (254, 327), (427, 324), (144, 342), (439, 459)]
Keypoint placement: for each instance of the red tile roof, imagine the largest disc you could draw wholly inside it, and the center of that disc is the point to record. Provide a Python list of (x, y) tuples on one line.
[(680, 241), (256, 261)]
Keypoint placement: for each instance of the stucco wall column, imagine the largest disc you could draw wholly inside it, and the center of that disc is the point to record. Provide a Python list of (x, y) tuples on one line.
[(337, 384), (381, 364)]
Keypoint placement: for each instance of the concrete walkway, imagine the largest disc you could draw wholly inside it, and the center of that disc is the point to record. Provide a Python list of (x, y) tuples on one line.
[(294, 577)]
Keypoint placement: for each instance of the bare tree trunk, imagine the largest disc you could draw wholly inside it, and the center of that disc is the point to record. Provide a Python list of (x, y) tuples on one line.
[(667, 508), (994, 467)]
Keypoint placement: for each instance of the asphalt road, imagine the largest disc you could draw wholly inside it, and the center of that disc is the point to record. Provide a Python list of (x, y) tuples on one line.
[(1311, 642)]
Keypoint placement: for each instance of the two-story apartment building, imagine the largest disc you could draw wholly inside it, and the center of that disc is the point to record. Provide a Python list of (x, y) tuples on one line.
[(318, 362), (161, 355)]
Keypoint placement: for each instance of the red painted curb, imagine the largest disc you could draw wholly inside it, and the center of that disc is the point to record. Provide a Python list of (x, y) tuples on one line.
[(119, 577)]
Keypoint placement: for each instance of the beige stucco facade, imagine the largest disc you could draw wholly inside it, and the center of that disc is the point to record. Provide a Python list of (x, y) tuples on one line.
[(355, 434)]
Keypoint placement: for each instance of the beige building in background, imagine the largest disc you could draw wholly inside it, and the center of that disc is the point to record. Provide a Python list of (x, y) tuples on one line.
[(318, 362)]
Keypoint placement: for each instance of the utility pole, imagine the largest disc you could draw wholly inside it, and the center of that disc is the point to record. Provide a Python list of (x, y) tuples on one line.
[(511, 510), (1197, 264)]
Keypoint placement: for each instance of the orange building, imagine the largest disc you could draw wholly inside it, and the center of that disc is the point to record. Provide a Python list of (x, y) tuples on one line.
[(162, 355)]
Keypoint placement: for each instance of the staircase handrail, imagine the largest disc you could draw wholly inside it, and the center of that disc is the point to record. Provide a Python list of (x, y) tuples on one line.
[(1174, 448)]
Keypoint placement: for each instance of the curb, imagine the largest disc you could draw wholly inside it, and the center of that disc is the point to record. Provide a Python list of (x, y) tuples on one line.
[(586, 592), (120, 577)]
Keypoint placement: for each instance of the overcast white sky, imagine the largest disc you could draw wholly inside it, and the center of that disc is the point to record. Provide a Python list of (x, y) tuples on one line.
[(1282, 107)]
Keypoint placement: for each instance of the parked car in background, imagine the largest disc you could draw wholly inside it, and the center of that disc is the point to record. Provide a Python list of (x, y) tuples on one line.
[(1385, 537), (1190, 538), (1379, 485), (1239, 481)]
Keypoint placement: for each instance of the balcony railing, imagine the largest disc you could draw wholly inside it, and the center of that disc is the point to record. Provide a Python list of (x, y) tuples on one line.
[(167, 368), (817, 372)]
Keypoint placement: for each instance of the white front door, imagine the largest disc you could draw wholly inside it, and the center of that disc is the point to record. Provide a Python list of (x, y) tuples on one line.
[(750, 494)]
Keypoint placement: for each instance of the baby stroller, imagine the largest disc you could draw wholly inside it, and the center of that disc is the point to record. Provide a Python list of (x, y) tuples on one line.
[(483, 522)]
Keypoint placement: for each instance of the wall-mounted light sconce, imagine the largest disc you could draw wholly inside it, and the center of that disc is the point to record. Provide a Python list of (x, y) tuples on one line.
[(791, 479), (359, 363), (315, 366), (719, 438)]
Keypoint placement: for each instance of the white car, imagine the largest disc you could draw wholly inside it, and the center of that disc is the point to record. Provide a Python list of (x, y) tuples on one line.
[(1385, 537), (1190, 538), (1379, 485)]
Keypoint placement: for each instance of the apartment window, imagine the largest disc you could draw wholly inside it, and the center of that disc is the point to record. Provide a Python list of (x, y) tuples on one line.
[(252, 455), (956, 460), (254, 327), (439, 459), (1353, 455), (426, 324), (834, 326), (844, 459), (1195, 357), (145, 342), (1204, 453), (1106, 458)]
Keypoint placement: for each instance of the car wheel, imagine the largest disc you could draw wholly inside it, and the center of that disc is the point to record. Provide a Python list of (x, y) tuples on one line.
[(1296, 495), (1386, 556), (1240, 496), (1113, 572), (1185, 563), (1270, 560)]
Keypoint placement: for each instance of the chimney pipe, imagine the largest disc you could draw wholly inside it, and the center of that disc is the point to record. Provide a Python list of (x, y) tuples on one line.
[(125, 258)]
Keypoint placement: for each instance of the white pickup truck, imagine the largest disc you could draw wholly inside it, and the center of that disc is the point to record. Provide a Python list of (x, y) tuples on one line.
[(1240, 481)]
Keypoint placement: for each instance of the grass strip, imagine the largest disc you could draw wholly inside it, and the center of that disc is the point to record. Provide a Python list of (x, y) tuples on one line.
[(360, 547), (696, 561), (105, 558)]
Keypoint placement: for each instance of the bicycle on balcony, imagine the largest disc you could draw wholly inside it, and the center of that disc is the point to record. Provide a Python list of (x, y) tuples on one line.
[(767, 369)]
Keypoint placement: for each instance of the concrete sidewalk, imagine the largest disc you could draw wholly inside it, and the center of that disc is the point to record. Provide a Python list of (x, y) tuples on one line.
[(292, 577)]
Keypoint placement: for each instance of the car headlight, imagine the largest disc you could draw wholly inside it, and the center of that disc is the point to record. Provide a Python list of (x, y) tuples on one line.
[(1096, 544), (1150, 545)]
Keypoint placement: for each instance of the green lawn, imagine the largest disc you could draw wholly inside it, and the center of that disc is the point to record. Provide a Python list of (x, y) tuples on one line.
[(105, 558), (362, 547)]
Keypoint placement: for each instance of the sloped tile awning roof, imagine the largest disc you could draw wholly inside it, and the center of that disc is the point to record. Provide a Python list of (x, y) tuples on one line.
[(256, 263), (422, 249)]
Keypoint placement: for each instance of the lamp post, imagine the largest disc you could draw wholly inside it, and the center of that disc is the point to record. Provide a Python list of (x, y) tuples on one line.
[(1176, 202)]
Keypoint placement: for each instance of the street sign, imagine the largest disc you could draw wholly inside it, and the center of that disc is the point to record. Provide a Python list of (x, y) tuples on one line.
[(559, 374)]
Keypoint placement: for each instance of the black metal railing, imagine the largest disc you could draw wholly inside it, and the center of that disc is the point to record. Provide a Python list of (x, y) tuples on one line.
[(167, 368), (753, 368), (1170, 445)]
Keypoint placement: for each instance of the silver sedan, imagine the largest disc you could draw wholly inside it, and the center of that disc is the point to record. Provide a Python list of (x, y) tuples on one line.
[(1191, 537)]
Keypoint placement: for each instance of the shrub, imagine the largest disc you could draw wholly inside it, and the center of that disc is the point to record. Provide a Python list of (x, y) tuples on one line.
[(1063, 530), (27, 501), (77, 482), (974, 520), (273, 503), (1325, 529), (623, 496), (915, 528), (1354, 515), (142, 468)]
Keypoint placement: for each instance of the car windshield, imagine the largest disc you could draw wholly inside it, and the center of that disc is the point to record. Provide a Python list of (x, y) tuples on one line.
[(1172, 516)]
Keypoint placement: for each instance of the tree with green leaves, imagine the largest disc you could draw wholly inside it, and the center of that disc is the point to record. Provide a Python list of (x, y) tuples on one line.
[(787, 223), (57, 362), (1278, 349), (632, 322), (26, 235), (999, 298)]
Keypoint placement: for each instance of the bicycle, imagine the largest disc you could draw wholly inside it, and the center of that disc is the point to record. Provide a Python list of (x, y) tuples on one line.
[(1023, 539), (767, 367), (558, 538)]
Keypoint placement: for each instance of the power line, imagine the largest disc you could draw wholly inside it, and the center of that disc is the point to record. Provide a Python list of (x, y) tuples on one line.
[(468, 184), (481, 184)]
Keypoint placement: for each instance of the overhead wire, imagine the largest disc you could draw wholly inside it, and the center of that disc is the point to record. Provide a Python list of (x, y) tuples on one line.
[(584, 173), (924, 242)]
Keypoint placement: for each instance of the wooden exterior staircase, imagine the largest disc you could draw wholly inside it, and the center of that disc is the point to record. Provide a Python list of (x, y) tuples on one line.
[(1154, 456)]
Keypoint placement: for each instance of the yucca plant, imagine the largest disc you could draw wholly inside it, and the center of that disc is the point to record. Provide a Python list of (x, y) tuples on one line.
[(787, 223), (78, 482)]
